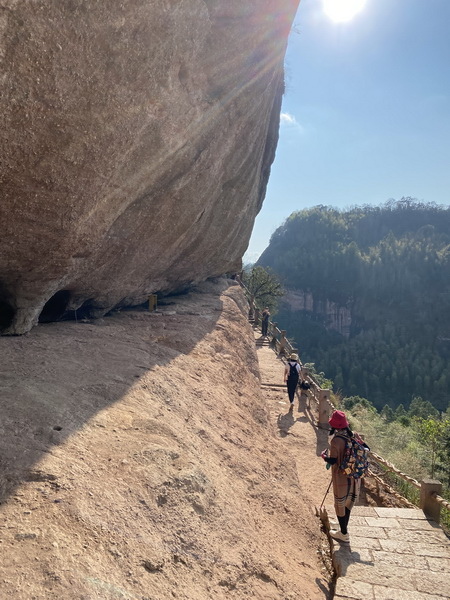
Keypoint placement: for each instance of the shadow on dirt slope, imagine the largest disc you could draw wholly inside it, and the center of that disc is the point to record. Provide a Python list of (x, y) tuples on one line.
[(60, 375), (139, 460)]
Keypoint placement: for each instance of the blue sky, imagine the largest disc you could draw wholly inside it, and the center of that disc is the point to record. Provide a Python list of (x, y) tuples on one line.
[(366, 112)]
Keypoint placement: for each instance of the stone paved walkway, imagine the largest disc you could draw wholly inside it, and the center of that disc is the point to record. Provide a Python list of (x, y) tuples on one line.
[(395, 553)]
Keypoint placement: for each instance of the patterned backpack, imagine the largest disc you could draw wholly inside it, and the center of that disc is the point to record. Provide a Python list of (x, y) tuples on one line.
[(356, 458)]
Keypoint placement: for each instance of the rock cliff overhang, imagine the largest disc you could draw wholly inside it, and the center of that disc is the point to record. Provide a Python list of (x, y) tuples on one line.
[(136, 141)]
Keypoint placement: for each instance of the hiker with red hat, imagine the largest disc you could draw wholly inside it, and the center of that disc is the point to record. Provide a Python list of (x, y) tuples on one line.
[(345, 489)]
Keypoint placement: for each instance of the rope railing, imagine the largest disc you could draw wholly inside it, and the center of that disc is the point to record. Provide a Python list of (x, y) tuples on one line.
[(440, 500), (430, 499), (391, 490), (393, 469)]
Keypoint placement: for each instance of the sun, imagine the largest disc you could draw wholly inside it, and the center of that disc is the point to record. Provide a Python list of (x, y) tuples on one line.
[(340, 11)]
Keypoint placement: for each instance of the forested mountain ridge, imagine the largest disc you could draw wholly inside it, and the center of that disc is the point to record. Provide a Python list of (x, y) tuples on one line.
[(389, 266)]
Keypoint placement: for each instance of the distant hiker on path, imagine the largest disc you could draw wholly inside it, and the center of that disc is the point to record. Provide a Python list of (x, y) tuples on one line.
[(291, 376), (265, 321), (345, 489)]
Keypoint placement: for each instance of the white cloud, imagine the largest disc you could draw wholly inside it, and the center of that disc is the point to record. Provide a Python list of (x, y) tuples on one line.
[(288, 120)]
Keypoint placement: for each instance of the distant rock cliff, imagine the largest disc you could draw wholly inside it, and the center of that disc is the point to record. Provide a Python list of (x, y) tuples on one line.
[(334, 316), (136, 141)]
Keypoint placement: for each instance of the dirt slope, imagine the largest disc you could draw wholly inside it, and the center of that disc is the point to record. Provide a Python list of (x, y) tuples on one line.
[(140, 460)]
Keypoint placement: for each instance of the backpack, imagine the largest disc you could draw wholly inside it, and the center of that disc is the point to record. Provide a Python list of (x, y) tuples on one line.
[(293, 372), (356, 459)]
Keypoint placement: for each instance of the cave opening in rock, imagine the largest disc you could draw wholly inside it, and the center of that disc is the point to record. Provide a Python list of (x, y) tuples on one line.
[(55, 308), (85, 311), (7, 310), (7, 313)]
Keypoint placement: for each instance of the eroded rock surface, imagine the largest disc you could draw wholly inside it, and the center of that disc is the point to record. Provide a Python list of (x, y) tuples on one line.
[(136, 141)]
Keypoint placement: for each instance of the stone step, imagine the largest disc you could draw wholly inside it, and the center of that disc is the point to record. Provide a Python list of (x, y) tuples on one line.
[(393, 553)]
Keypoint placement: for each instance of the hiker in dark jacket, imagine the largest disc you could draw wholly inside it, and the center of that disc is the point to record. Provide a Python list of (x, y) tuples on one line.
[(291, 376), (265, 321), (345, 489)]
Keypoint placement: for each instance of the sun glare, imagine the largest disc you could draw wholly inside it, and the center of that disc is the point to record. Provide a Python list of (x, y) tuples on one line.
[(340, 11)]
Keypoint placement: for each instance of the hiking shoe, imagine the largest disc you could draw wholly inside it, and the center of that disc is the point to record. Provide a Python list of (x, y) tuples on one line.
[(339, 536), (291, 405), (333, 524)]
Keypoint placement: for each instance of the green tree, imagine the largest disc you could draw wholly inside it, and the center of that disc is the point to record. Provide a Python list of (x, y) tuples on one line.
[(263, 287), (400, 411), (443, 466), (402, 416), (388, 414), (432, 433), (422, 409), (352, 402), (320, 378)]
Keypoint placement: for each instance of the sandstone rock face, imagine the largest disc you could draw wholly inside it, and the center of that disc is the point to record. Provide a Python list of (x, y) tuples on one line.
[(136, 141), (335, 316)]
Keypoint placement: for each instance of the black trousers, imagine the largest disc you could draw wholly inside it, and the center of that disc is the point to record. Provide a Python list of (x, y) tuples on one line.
[(291, 383)]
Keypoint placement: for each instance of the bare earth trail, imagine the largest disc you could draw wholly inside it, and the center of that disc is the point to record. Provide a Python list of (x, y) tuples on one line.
[(141, 459), (302, 441)]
